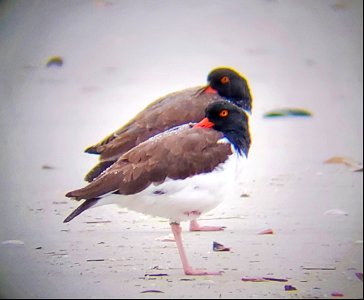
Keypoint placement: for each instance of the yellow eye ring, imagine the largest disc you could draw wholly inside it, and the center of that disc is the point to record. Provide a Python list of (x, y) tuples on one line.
[(224, 113), (225, 80)]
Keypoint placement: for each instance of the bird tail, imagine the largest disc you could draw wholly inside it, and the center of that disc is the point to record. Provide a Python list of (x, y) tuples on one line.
[(85, 205)]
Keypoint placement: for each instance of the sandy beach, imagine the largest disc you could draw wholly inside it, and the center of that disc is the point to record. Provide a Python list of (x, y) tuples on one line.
[(118, 56)]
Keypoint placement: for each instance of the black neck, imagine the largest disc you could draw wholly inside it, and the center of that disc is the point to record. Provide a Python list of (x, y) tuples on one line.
[(244, 103), (240, 139), (241, 97)]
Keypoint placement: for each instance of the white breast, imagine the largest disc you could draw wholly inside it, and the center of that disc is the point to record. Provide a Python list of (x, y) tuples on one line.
[(176, 199)]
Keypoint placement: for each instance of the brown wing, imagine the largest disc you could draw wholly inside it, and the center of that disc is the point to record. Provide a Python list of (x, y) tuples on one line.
[(177, 154), (172, 110)]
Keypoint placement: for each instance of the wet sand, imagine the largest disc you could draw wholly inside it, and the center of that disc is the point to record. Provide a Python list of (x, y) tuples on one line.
[(118, 57)]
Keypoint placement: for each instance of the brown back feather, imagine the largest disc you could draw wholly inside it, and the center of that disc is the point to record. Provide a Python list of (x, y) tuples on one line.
[(169, 111), (176, 154)]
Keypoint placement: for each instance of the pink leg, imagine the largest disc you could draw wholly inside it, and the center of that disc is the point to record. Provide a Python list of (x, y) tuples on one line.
[(194, 226), (177, 232)]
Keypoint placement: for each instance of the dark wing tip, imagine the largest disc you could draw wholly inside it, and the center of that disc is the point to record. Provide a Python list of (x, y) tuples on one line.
[(84, 206), (69, 195), (97, 170), (90, 176), (92, 150), (69, 218)]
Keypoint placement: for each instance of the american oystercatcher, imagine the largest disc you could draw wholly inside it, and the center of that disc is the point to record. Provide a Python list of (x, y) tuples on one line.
[(178, 174), (168, 112)]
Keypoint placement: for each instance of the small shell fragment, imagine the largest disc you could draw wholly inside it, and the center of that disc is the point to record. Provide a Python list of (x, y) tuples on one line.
[(337, 294), (266, 231), (349, 162), (12, 242), (151, 291), (359, 275), (219, 247), (55, 61), (289, 287), (336, 212), (263, 279), (288, 112), (253, 279)]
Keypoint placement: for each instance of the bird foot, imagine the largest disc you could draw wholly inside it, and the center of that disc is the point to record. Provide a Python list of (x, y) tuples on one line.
[(207, 228), (194, 226), (166, 238)]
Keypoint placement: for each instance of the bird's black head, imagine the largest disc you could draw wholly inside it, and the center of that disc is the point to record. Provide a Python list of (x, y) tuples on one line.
[(232, 121), (232, 86)]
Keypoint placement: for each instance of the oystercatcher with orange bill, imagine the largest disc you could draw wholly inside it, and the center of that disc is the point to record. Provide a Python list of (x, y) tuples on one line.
[(178, 174), (168, 112)]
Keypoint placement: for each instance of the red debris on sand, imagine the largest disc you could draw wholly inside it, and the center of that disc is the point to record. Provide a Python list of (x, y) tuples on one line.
[(337, 294), (267, 231)]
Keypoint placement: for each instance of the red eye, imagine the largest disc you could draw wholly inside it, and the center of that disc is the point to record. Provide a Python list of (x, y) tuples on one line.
[(224, 113), (225, 80)]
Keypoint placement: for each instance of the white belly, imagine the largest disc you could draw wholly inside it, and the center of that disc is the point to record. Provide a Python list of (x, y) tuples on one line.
[(181, 200)]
